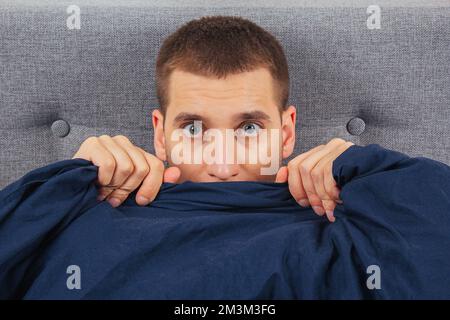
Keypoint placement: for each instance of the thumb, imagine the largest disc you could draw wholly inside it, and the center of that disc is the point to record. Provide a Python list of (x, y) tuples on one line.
[(282, 175), (171, 174)]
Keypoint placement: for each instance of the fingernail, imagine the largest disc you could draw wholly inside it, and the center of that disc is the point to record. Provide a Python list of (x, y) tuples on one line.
[(339, 201), (330, 215), (142, 200), (100, 197), (319, 210), (114, 202), (303, 202)]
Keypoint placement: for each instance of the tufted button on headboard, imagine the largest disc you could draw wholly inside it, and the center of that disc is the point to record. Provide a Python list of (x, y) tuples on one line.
[(60, 128), (356, 126)]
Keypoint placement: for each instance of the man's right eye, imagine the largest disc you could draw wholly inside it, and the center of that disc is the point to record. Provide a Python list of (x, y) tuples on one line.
[(192, 131)]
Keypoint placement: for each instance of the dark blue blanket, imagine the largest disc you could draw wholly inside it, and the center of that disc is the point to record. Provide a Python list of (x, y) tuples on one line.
[(231, 240)]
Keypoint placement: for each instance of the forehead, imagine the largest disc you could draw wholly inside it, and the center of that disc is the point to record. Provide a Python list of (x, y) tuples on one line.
[(212, 96)]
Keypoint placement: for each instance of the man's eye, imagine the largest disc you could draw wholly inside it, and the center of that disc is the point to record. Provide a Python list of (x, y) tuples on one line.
[(250, 129), (191, 130)]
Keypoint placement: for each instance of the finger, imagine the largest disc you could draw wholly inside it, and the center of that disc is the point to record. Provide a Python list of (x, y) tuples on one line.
[(324, 187), (317, 175), (313, 177), (330, 215), (296, 187), (152, 182), (124, 167), (172, 174), (331, 186), (141, 169), (102, 158), (282, 175)]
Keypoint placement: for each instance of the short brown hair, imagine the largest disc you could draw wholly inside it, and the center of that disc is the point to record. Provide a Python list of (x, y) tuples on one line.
[(219, 46)]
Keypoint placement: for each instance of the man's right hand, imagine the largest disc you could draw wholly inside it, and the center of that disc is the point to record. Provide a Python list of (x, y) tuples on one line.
[(123, 167)]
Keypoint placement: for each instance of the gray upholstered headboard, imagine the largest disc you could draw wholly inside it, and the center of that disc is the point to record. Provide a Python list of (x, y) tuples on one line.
[(58, 85)]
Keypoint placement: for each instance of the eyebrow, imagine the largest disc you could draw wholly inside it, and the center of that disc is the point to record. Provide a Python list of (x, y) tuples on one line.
[(249, 115), (252, 115), (186, 116)]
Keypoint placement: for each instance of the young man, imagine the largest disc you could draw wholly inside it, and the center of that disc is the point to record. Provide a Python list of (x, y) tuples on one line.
[(217, 73)]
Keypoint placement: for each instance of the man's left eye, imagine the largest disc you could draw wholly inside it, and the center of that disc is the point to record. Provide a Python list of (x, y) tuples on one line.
[(251, 129)]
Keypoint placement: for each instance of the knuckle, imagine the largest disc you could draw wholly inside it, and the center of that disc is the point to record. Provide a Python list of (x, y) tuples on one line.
[(291, 165), (329, 189), (304, 168), (142, 171), (121, 138), (104, 136), (311, 194), (295, 193), (104, 192), (314, 200), (329, 205), (349, 143), (152, 157), (127, 168), (158, 165), (90, 140), (142, 150), (149, 190), (337, 141), (316, 173), (316, 179), (320, 195), (324, 196), (109, 164), (336, 192), (120, 194)]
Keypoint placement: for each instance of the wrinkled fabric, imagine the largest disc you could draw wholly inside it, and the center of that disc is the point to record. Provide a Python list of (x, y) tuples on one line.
[(231, 240)]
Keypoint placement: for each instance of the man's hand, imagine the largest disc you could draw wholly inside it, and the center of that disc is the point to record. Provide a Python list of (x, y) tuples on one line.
[(310, 177), (123, 167)]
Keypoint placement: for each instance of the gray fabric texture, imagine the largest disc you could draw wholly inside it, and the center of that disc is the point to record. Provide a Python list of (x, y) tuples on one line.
[(395, 81)]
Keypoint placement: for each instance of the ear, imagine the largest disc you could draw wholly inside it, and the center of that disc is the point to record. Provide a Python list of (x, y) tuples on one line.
[(288, 119), (159, 141)]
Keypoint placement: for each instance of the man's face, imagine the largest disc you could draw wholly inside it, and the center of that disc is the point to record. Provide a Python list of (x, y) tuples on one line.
[(204, 110)]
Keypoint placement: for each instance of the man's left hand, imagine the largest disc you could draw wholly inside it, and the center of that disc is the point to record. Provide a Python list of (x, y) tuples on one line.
[(310, 177)]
